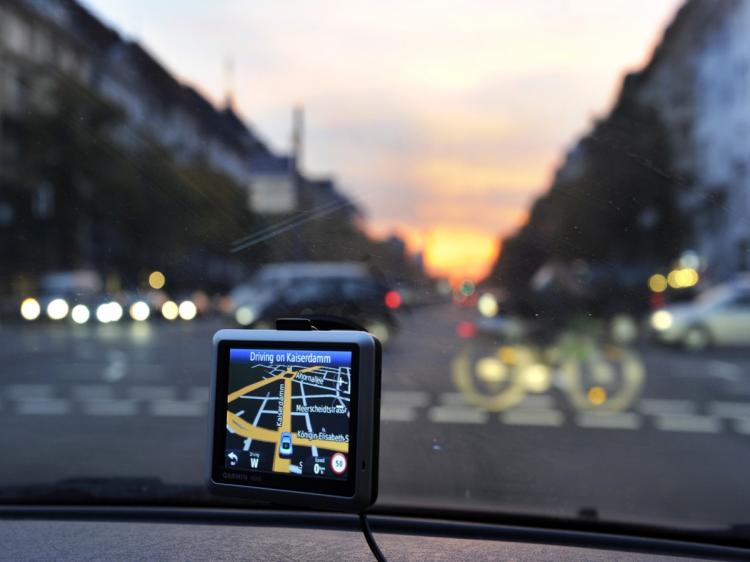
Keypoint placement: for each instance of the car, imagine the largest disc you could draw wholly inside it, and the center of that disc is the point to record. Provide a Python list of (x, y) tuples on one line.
[(718, 317), (285, 445), (248, 298), (358, 298)]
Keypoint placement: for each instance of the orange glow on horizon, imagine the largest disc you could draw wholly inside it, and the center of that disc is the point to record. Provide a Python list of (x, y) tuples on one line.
[(459, 253), (450, 252)]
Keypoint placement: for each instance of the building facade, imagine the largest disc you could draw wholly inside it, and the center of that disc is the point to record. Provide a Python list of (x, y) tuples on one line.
[(699, 81)]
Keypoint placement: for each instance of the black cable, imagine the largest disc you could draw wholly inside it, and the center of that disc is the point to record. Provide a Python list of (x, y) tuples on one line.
[(370, 539)]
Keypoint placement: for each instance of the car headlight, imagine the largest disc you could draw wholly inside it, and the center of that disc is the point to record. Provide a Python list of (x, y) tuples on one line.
[(80, 314), (187, 310), (109, 312), (57, 309), (30, 309), (139, 311), (245, 315), (170, 310), (662, 320)]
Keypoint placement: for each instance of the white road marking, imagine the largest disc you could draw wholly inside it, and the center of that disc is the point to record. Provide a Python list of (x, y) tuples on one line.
[(453, 414), (453, 399), (391, 413), (177, 408), (416, 398), (742, 425), (27, 391), (537, 401), (44, 407), (198, 393), (534, 417), (730, 409), (92, 392), (659, 406), (609, 420), (153, 392), (688, 423), (110, 407), (725, 370)]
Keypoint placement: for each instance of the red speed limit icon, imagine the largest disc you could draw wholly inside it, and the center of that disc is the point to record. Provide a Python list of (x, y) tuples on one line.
[(338, 463)]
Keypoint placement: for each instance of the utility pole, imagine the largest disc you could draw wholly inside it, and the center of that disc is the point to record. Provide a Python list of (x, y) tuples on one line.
[(229, 82), (298, 249), (2, 111), (298, 137)]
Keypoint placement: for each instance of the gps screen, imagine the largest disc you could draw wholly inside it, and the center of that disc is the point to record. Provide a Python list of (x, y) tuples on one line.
[(288, 411)]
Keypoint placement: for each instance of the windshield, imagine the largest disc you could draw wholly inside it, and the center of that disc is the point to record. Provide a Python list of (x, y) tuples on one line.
[(512, 196)]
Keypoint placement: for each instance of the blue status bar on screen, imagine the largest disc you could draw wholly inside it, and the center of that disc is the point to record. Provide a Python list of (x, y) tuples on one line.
[(291, 357)]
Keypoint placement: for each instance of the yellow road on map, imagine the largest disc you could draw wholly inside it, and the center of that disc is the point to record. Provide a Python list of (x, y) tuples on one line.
[(241, 427)]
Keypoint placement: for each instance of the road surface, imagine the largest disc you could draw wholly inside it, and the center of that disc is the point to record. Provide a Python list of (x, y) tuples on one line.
[(130, 400)]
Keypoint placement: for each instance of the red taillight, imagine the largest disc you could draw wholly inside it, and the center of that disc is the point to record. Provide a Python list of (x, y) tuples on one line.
[(392, 300), (466, 329)]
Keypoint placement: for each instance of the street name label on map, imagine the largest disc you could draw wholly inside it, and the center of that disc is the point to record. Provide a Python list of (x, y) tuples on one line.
[(316, 409), (338, 437), (291, 357), (300, 357)]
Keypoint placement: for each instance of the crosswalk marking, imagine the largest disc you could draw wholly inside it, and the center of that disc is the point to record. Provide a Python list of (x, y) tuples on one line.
[(398, 406), (152, 392), (688, 423), (538, 417), (729, 409), (658, 406), (44, 407), (454, 414), (177, 408), (416, 398), (742, 425), (93, 392), (110, 407), (534, 401), (393, 413), (198, 393), (25, 391), (453, 399), (609, 420)]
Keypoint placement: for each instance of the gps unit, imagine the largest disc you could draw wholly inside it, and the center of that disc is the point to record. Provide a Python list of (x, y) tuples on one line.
[(294, 417)]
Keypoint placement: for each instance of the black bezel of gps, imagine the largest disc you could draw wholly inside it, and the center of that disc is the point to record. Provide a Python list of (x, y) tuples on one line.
[(359, 489)]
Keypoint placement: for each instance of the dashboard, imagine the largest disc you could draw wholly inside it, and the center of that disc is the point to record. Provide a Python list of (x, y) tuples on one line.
[(48, 532)]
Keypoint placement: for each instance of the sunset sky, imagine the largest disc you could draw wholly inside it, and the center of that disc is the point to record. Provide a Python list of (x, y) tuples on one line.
[(441, 119)]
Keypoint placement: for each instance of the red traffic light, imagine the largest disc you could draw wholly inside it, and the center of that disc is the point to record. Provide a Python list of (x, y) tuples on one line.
[(392, 300)]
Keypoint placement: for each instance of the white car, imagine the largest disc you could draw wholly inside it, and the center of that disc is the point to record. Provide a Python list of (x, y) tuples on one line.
[(718, 317)]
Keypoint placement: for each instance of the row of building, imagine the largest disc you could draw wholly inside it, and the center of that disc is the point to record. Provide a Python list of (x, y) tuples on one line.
[(699, 81), (665, 174), (46, 43), (42, 42)]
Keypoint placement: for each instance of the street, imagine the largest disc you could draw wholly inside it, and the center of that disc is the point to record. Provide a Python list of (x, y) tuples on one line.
[(130, 400)]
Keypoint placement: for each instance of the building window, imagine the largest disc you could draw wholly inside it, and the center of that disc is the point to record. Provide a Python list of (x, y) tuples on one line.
[(17, 34)]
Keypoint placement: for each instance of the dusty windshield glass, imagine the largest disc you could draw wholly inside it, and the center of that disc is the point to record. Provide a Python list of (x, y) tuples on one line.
[(540, 208)]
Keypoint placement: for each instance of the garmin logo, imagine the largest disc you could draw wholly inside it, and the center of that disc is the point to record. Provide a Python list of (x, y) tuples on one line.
[(233, 476)]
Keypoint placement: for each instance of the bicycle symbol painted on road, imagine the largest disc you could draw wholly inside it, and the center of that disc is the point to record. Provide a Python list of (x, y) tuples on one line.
[(592, 375)]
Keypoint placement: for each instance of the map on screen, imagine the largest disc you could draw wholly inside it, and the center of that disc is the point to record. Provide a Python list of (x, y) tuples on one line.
[(288, 411)]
